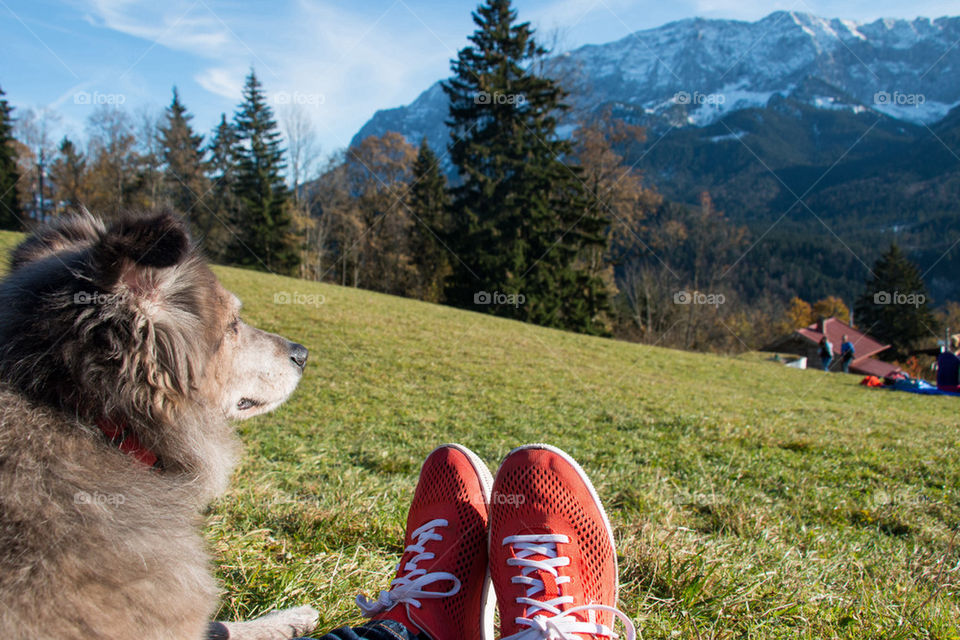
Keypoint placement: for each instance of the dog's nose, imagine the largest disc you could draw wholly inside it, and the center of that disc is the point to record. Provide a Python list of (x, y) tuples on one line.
[(298, 353)]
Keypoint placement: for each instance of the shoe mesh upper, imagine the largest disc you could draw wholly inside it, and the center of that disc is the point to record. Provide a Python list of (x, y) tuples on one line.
[(554, 500), (449, 488)]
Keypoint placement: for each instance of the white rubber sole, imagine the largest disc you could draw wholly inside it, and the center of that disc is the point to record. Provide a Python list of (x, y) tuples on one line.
[(486, 485), (593, 494)]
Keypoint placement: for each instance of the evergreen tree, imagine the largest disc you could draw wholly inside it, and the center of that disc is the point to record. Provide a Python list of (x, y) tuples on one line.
[(429, 204), (67, 172), (184, 183), (521, 222), (222, 172), (264, 225), (894, 308), (10, 214)]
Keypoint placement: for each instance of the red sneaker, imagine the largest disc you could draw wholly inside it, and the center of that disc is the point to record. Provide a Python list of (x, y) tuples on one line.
[(442, 587), (552, 555)]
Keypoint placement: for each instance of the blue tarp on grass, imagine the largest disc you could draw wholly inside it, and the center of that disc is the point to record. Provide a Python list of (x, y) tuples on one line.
[(914, 385)]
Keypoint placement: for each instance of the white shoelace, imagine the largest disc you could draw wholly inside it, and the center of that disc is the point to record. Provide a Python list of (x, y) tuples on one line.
[(408, 588), (547, 620)]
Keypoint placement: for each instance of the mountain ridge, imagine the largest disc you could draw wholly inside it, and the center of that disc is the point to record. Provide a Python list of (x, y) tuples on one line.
[(691, 71), (860, 119)]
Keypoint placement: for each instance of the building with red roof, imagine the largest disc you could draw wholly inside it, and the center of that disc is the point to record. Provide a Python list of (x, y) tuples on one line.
[(805, 342)]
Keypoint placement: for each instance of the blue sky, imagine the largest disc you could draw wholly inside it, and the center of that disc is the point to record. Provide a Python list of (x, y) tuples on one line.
[(341, 60)]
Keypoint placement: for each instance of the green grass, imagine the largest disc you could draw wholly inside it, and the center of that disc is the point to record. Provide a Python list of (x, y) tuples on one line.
[(749, 500)]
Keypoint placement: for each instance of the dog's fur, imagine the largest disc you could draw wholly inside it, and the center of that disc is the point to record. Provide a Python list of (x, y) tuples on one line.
[(124, 323)]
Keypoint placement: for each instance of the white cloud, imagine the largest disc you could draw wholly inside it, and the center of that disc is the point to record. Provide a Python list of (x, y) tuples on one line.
[(222, 81), (176, 24), (340, 63)]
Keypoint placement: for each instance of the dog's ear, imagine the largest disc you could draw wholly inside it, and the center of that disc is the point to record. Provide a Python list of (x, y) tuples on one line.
[(132, 247), (69, 233)]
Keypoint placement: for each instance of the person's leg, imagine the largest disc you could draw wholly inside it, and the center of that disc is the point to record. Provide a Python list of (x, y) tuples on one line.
[(553, 559), (442, 587), (378, 630)]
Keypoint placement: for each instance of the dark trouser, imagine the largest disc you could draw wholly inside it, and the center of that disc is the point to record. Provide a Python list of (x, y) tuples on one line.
[(378, 630), (846, 365), (826, 363)]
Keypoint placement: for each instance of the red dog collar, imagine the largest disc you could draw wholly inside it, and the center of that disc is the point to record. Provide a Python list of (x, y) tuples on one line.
[(128, 442)]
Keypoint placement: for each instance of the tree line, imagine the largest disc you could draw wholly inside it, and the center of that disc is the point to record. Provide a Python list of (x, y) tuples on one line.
[(510, 218)]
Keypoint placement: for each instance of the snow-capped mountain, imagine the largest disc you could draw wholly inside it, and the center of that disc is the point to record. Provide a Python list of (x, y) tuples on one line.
[(695, 71), (854, 119)]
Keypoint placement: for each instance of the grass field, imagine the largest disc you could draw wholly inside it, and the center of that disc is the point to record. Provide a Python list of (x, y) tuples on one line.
[(750, 500)]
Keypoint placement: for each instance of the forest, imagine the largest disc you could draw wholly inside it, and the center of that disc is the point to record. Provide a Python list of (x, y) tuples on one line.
[(560, 231)]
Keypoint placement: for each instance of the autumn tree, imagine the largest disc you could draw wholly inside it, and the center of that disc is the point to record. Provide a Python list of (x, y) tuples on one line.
[(338, 225), (303, 150), (303, 156), (714, 247), (148, 191), (378, 173), (68, 174), (674, 275), (113, 164), (797, 315), (614, 188), (831, 307), (615, 191), (948, 318), (35, 132)]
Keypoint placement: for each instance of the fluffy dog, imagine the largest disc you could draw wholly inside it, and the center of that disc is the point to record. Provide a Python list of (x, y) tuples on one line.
[(122, 362)]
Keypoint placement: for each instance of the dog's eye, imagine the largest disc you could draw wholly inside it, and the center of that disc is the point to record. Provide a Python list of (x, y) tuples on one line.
[(235, 325)]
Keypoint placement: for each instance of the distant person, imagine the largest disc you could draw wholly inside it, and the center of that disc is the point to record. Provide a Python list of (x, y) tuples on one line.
[(846, 353), (948, 367), (826, 353)]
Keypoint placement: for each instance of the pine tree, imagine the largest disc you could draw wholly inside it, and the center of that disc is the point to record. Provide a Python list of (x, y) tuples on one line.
[(264, 225), (67, 172), (184, 183), (894, 307), (10, 213), (429, 204), (222, 172), (521, 221)]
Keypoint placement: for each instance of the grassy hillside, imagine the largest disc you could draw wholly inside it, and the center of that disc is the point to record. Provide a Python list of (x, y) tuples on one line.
[(750, 500)]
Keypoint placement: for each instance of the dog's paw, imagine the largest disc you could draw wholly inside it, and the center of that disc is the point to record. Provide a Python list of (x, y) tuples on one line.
[(277, 625), (295, 622)]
